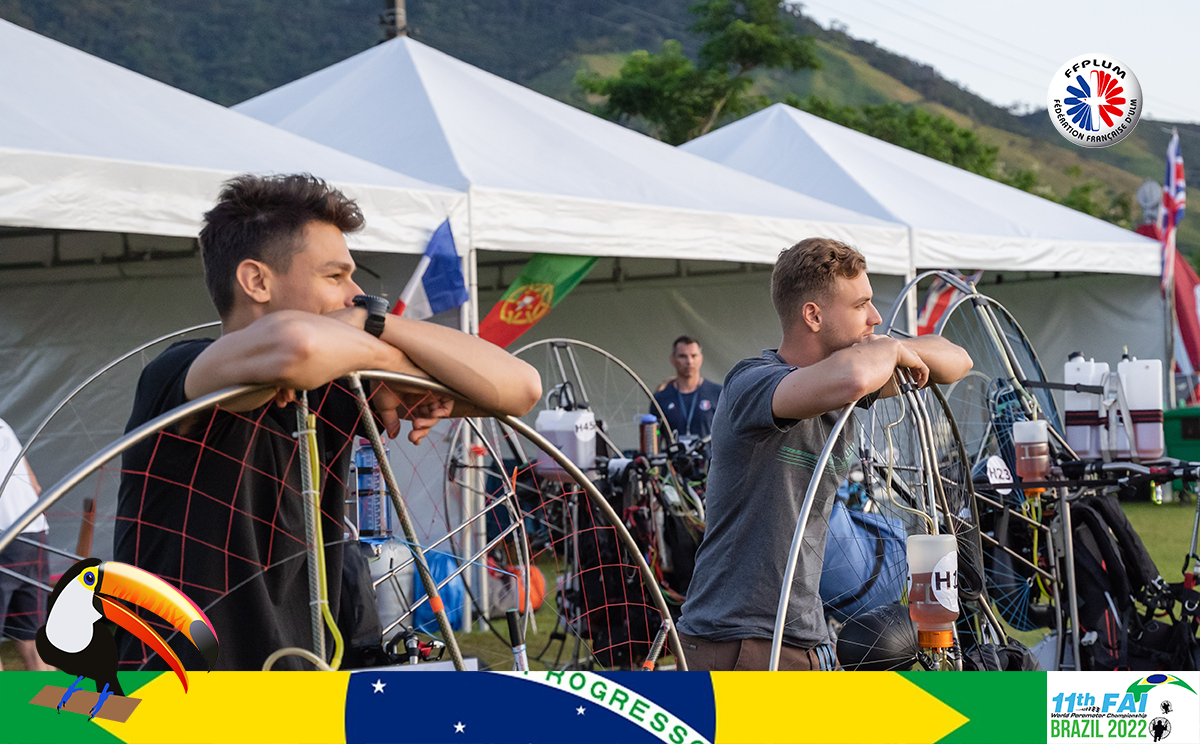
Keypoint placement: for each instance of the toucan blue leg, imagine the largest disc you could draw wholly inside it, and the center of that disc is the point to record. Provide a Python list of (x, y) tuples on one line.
[(70, 691), (104, 695)]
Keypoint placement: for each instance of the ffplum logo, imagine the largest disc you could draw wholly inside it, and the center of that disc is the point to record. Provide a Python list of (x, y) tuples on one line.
[(1095, 100)]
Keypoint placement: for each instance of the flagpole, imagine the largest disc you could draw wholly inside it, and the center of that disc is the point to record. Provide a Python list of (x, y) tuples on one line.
[(1170, 309)]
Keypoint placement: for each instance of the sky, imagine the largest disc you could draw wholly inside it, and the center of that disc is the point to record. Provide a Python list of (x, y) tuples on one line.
[(1008, 51)]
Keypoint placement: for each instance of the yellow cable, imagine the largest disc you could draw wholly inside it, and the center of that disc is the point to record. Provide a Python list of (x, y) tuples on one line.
[(336, 662)]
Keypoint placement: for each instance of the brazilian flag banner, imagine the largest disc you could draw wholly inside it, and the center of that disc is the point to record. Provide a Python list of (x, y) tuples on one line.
[(543, 283), (398, 705)]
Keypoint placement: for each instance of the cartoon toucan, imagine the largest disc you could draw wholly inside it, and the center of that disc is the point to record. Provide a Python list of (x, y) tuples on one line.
[(74, 640)]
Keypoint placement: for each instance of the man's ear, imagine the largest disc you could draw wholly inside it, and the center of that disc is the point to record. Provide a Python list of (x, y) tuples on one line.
[(254, 277), (810, 315)]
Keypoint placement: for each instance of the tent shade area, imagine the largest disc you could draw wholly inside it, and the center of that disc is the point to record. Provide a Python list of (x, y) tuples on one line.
[(544, 177)]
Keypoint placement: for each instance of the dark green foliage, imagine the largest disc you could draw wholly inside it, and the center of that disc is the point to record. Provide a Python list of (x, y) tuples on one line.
[(680, 100), (750, 34), (222, 50)]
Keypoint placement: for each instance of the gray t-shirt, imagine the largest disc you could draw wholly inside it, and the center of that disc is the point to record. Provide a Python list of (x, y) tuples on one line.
[(761, 468)]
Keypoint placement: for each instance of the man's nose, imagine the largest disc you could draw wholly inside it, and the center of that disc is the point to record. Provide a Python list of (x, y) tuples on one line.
[(354, 291), (875, 318)]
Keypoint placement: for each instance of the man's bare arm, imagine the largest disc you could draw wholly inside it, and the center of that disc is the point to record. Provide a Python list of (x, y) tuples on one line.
[(843, 377), (479, 370), (947, 361), (289, 350)]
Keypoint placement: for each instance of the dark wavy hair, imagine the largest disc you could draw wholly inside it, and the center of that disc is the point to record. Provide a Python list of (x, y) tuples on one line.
[(262, 218)]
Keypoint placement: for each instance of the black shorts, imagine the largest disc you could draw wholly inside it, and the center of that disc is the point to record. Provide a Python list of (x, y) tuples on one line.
[(23, 605)]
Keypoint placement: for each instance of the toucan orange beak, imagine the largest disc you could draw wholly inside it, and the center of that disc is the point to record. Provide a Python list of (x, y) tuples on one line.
[(146, 590)]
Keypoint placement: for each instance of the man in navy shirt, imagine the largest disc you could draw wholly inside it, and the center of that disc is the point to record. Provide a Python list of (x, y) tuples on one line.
[(689, 401)]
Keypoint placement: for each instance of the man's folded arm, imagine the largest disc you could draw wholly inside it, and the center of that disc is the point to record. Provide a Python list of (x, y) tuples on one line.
[(842, 378), (488, 376), (289, 350)]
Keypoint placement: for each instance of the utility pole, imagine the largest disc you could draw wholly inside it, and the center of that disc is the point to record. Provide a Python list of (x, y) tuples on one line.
[(394, 19)]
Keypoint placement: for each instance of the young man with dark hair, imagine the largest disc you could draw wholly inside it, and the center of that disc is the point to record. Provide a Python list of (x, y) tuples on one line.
[(214, 504), (776, 413), (688, 401)]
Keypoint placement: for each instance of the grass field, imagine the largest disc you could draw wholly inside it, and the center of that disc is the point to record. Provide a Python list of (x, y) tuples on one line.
[(1165, 529)]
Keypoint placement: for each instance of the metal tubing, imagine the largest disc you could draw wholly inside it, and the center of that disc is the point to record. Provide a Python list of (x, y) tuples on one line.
[(785, 594), (410, 532), (311, 514), (467, 563), (57, 491), (1072, 596)]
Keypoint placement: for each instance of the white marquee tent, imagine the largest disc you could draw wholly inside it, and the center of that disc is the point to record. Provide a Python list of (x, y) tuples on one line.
[(88, 145), (544, 177), (961, 220)]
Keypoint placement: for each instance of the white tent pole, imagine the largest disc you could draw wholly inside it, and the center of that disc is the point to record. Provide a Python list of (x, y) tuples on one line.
[(474, 500), (468, 496), (908, 277)]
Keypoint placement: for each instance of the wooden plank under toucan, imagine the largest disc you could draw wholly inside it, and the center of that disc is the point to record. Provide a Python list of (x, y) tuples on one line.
[(116, 708)]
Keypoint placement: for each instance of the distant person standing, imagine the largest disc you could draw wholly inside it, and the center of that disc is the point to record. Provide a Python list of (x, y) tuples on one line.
[(22, 605), (688, 401)]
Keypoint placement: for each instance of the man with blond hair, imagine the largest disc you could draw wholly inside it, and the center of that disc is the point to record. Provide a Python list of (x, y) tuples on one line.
[(775, 415)]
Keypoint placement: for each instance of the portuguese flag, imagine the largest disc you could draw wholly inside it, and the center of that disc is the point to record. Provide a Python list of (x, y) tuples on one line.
[(544, 281)]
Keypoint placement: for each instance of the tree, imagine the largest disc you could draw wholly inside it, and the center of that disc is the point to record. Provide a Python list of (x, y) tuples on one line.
[(681, 100)]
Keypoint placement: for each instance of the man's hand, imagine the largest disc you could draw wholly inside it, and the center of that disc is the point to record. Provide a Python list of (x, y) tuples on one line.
[(423, 408), (908, 359)]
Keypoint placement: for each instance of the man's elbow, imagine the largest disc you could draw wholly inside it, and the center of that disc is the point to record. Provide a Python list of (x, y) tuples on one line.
[(960, 365), (527, 390), (859, 384)]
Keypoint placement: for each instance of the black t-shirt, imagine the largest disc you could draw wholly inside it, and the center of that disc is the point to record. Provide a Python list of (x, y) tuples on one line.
[(216, 510), (689, 413)]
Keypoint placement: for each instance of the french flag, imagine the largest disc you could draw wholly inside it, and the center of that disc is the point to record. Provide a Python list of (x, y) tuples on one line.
[(437, 285)]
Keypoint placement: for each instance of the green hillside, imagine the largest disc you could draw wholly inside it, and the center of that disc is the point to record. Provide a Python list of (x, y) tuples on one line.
[(230, 51)]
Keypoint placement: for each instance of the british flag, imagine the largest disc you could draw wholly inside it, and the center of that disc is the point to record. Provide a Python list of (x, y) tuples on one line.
[(1174, 200), (938, 299)]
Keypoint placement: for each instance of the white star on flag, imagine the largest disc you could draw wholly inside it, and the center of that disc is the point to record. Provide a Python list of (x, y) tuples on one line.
[(580, 711), (379, 684), (459, 727)]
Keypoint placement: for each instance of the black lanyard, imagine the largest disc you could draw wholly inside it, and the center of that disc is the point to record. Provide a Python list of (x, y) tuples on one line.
[(687, 427)]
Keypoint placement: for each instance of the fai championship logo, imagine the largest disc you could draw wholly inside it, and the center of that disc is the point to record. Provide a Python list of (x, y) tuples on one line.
[(1095, 100), (526, 305)]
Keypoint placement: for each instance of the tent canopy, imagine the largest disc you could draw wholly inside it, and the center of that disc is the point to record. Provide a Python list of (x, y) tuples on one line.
[(958, 219), (545, 177), (88, 145)]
